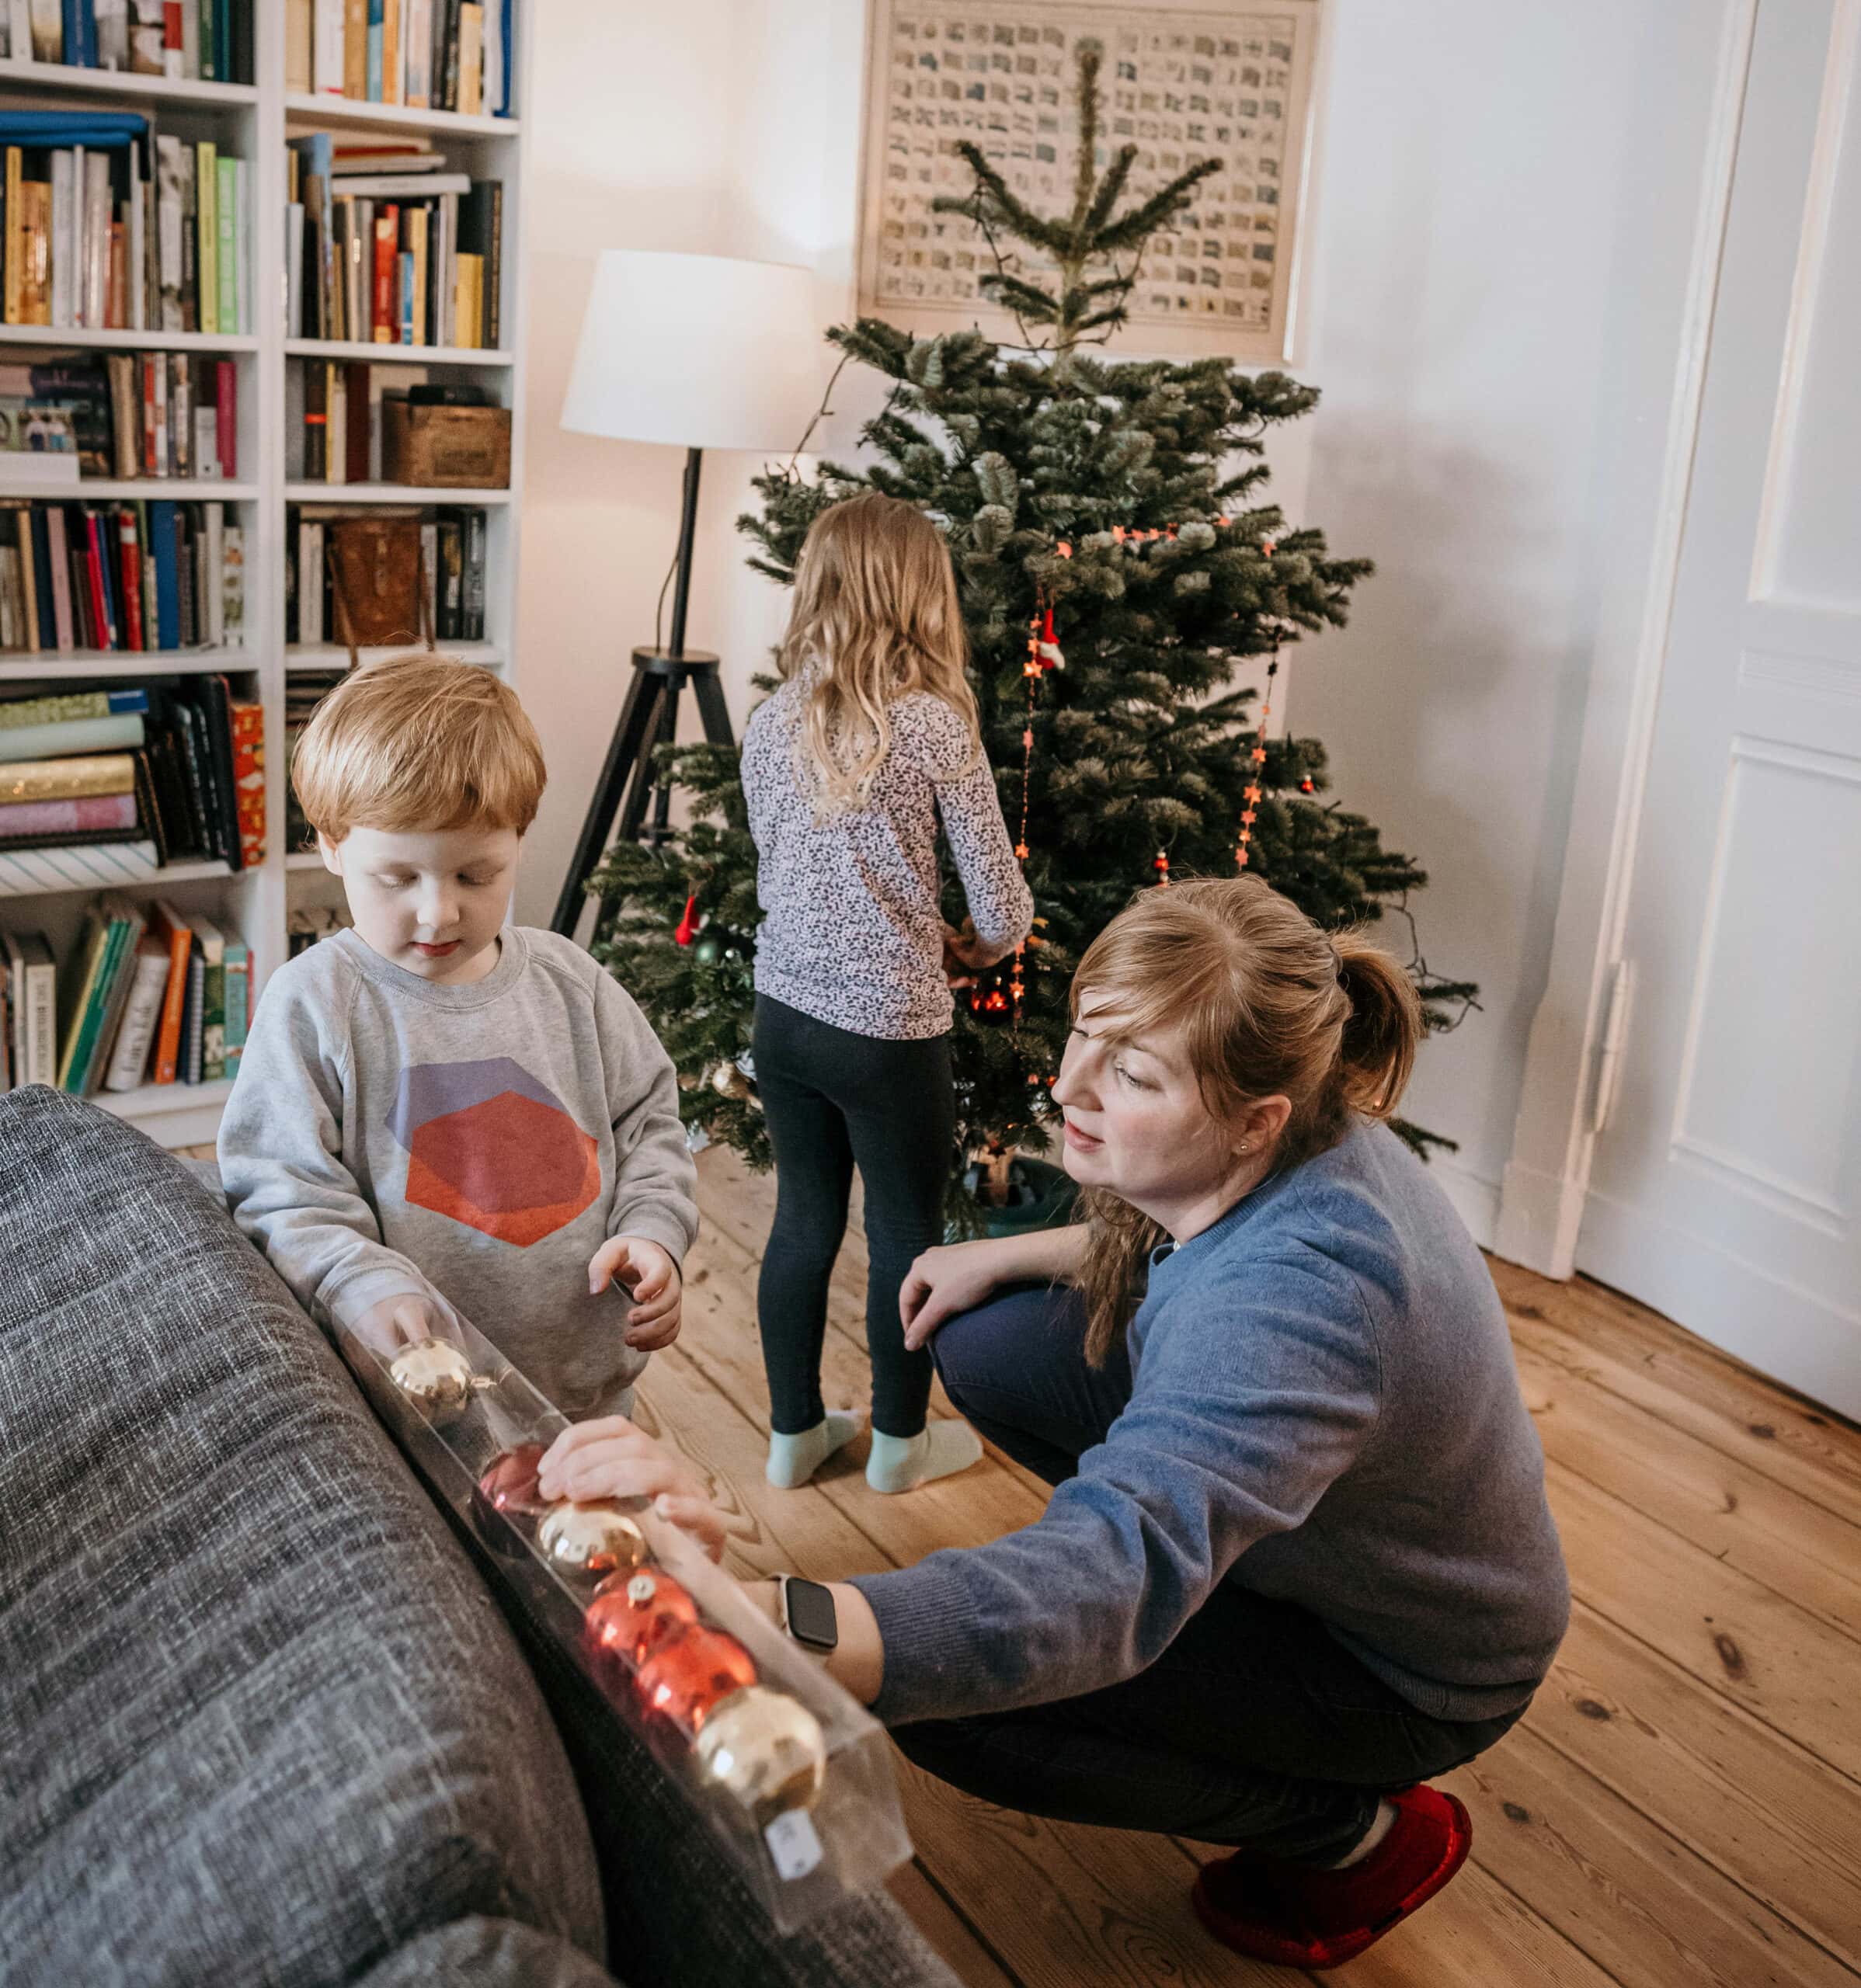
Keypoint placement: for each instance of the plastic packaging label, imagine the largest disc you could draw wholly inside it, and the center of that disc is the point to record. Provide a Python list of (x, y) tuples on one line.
[(793, 1843)]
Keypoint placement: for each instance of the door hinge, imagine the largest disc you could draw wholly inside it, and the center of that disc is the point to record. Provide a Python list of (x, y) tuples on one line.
[(1614, 1039)]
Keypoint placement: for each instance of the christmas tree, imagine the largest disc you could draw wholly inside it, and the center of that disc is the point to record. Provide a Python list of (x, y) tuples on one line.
[(1117, 563)]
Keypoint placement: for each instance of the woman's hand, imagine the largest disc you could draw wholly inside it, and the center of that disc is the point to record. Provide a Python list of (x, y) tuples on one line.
[(609, 1458), (954, 1277)]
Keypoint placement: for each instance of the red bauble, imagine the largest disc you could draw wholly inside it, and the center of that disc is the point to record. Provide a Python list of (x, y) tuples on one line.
[(687, 926), (507, 1495), (633, 1613), (684, 1680)]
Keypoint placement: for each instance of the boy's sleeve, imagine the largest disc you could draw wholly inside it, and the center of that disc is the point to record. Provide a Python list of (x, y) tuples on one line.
[(654, 1184), (281, 1165)]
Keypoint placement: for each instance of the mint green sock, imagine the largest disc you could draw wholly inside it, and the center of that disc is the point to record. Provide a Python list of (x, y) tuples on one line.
[(898, 1462), (793, 1459)]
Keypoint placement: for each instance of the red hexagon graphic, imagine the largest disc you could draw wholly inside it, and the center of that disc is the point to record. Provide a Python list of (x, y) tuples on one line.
[(492, 1147)]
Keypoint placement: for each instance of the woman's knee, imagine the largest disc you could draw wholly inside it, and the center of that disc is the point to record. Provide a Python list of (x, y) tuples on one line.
[(1003, 1339)]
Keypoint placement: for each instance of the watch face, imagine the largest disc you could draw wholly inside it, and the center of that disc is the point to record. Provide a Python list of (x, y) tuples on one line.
[(812, 1616)]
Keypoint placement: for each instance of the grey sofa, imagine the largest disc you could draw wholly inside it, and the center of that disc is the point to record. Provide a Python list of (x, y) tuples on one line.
[(264, 1717)]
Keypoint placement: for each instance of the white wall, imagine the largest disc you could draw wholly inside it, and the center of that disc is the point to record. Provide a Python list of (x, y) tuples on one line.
[(1469, 275)]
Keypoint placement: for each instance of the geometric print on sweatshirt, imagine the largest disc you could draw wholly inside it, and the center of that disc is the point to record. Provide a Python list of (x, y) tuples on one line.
[(490, 1146)]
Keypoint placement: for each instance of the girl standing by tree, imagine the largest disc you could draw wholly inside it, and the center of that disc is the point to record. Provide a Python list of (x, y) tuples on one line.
[(848, 770)]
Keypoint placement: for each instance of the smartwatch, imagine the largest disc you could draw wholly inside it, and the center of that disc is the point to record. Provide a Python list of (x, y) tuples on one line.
[(808, 1611)]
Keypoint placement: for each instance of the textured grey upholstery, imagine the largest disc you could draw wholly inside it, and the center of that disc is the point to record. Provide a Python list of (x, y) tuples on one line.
[(260, 1720)]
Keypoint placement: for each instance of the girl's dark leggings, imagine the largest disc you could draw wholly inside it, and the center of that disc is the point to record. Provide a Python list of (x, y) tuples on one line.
[(834, 1101)]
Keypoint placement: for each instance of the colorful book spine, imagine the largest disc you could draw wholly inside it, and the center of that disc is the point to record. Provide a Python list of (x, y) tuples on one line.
[(248, 780), (65, 707), (207, 260), (90, 815), (239, 1000), (67, 780)]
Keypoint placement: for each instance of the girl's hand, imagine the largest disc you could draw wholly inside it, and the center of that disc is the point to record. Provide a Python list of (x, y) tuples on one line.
[(964, 950), (954, 1276), (610, 1459), (658, 1291)]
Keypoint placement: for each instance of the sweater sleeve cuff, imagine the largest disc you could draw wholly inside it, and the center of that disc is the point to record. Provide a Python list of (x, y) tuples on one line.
[(346, 1302), (931, 1660), (654, 1225)]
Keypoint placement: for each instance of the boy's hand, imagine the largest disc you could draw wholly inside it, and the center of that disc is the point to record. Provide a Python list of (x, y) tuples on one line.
[(658, 1291), (398, 1323)]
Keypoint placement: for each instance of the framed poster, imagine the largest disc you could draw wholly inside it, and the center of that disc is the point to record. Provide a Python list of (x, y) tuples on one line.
[(1181, 83)]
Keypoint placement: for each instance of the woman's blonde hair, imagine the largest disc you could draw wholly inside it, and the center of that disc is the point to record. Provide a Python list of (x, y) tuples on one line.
[(1267, 1004), (875, 617), (418, 742)]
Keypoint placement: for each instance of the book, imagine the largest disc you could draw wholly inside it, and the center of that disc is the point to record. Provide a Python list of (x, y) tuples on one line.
[(238, 1000), (32, 1006), (141, 1012), (191, 1027), (176, 937), (85, 818), (210, 949), (62, 737), (226, 259), (99, 945), (207, 233), (248, 780), (67, 780), (329, 54), (62, 706)]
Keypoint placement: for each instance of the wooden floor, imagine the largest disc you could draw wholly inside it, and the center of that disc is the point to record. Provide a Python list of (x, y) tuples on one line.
[(1681, 1805)]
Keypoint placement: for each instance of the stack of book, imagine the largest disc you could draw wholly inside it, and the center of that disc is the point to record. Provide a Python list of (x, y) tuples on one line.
[(151, 996), (209, 40), (123, 415), (303, 690), (109, 225), (452, 545), (384, 245), (178, 766), (138, 577), (429, 54)]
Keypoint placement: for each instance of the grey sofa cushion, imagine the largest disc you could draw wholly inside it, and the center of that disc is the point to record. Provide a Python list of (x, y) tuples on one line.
[(487, 1953), (258, 1721)]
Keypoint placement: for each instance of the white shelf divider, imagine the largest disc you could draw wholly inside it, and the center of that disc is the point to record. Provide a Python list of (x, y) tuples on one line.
[(254, 120)]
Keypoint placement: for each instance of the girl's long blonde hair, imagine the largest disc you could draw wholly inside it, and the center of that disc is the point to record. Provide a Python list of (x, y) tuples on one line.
[(1267, 1004), (875, 617)]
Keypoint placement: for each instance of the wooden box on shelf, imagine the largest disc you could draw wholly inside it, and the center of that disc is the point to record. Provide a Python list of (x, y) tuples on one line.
[(445, 448)]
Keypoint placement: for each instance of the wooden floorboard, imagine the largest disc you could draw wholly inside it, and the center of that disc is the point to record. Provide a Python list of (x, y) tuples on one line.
[(1682, 1802)]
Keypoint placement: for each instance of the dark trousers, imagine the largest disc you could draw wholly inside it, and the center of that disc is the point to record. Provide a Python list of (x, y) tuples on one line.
[(1255, 1726), (835, 1100)]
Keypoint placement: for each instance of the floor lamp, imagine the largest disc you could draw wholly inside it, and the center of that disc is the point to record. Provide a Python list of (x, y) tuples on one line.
[(701, 352)]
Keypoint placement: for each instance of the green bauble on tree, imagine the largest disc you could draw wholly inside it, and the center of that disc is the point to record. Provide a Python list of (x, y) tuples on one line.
[(1117, 563)]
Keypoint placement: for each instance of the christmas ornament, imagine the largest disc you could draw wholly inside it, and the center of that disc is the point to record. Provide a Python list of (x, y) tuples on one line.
[(685, 1680), (435, 1376), (688, 925), (766, 1750), (1258, 758), (1045, 647), (1307, 784), (709, 950), (728, 1080), (634, 1612), (593, 1538), (1161, 866), (509, 1487)]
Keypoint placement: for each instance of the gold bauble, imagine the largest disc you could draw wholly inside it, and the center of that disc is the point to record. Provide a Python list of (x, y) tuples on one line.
[(728, 1080), (597, 1537), (765, 1750), (434, 1375)]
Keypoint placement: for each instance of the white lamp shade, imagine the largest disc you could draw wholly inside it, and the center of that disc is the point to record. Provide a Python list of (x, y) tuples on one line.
[(704, 352)]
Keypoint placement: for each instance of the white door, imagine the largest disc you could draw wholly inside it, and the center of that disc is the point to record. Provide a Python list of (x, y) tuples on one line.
[(1727, 1185)]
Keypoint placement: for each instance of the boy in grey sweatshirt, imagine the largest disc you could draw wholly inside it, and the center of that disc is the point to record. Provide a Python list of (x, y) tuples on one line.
[(440, 1109)]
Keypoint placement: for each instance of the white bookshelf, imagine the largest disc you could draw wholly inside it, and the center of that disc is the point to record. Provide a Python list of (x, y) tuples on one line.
[(253, 121)]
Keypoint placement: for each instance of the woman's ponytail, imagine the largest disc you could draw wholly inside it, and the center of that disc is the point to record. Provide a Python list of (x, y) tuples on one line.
[(1382, 1029)]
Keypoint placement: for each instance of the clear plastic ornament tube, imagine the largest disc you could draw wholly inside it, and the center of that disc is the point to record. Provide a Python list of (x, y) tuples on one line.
[(792, 1774)]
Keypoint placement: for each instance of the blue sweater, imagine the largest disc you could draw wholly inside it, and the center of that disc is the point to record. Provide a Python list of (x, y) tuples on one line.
[(1324, 1409)]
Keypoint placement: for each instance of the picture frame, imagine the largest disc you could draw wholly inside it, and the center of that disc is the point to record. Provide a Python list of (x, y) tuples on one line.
[(1226, 81)]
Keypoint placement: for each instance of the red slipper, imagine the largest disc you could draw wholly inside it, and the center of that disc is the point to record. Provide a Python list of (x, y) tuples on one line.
[(1300, 1916)]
